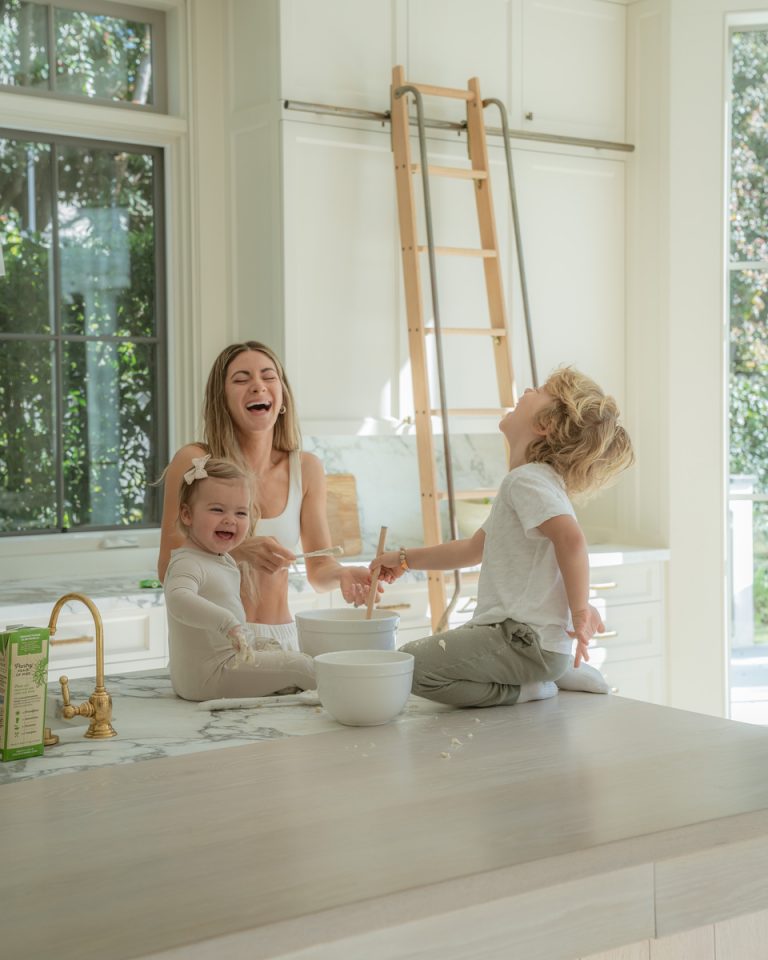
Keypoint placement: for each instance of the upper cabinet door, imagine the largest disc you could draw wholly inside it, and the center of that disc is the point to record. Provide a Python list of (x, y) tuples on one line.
[(338, 52), (342, 269), (450, 41), (571, 68)]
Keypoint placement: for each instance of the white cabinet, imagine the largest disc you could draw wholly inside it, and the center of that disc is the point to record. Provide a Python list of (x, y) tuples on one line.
[(558, 65), (341, 267), (135, 635), (571, 76), (630, 653)]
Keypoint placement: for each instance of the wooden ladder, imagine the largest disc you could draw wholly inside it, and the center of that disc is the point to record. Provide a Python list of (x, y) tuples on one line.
[(418, 330)]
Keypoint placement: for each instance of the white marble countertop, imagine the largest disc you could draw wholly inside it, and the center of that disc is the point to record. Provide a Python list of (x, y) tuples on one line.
[(152, 722), (562, 827)]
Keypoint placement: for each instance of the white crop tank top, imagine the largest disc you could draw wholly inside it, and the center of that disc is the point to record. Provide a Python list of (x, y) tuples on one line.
[(286, 527)]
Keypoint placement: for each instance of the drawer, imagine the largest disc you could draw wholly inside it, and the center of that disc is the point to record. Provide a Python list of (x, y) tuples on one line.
[(630, 583), (637, 679), (631, 630), (135, 638)]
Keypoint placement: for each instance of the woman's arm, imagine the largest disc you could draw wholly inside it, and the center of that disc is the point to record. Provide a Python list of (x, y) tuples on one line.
[(324, 573), (170, 536), (452, 555), (571, 551)]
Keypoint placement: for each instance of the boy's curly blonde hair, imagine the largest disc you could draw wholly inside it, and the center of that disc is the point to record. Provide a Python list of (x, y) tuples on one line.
[(584, 442)]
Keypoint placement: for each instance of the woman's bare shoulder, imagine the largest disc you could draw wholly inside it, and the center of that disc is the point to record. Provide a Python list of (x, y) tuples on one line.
[(184, 454), (312, 470)]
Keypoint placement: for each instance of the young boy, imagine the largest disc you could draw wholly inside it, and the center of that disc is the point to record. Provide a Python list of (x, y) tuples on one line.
[(564, 439)]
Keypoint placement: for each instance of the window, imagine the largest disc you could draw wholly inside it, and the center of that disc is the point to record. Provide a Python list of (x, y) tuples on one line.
[(83, 382), (97, 51), (748, 367)]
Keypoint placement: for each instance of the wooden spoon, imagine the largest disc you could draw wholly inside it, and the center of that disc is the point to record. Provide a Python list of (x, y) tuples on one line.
[(374, 578)]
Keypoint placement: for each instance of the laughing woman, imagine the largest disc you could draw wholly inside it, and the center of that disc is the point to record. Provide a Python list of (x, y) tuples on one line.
[(249, 417)]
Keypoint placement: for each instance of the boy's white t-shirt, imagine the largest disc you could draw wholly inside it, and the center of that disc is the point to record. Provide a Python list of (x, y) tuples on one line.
[(519, 577)]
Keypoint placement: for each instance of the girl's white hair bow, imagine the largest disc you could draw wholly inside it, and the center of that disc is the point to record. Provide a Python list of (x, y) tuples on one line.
[(197, 471)]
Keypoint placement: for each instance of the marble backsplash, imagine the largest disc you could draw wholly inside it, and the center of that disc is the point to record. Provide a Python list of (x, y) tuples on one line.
[(387, 477)]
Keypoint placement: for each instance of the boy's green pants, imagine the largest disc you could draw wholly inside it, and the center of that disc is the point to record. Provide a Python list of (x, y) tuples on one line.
[(482, 665)]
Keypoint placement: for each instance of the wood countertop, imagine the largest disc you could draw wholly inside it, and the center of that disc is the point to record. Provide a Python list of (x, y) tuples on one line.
[(561, 827)]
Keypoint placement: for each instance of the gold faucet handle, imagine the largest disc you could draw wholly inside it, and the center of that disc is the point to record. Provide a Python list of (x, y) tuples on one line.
[(68, 711), (64, 681)]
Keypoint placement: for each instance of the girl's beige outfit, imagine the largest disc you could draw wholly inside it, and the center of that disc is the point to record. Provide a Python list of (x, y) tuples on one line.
[(202, 596)]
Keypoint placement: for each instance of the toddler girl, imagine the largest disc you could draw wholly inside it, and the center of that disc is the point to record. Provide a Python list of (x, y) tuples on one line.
[(210, 653), (564, 438)]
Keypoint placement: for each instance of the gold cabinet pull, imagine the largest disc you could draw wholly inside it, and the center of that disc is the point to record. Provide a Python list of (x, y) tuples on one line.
[(393, 606), (60, 643), (606, 635), (608, 585)]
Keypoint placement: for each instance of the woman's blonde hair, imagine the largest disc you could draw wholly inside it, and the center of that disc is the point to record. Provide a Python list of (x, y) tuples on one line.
[(583, 441), (219, 435), (217, 469)]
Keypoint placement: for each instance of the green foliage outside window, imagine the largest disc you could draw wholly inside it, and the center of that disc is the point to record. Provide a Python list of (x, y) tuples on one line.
[(749, 289)]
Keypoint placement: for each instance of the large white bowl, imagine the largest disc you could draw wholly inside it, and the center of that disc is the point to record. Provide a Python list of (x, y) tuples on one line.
[(324, 631), (364, 688)]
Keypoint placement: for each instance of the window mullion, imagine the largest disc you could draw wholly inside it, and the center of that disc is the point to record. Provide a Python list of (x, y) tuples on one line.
[(51, 48), (58, 358)]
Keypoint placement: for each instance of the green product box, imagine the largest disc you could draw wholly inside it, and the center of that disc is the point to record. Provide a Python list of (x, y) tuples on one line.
[(23, 686)]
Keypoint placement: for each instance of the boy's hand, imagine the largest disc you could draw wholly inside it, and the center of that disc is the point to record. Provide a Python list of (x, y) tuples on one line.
[(586, 623), (387, 566)]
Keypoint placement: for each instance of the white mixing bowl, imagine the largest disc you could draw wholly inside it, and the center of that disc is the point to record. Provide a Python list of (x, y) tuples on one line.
[(323, 631), (363, 688)]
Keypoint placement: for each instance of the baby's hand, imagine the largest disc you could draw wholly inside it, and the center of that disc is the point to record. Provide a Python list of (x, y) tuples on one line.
[(243, 651)]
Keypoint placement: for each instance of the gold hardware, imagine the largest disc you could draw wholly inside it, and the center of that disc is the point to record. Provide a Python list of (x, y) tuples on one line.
[(59, 643), (610, 585), (50, 739), (99, 705), (393, 606), (606, 634), (529, 115)]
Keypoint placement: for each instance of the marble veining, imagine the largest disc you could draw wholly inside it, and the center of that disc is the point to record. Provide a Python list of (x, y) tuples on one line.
[(152, 722)]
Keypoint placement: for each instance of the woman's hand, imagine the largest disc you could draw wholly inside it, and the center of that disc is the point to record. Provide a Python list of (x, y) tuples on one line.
[(264, 554), (355, 583), (586, 623), (387, 566)]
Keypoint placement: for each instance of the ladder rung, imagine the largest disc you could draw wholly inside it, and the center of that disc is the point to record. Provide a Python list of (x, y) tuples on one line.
[(459, 251), (459, 173), (432, 91), (473, 412), (467, 494), (470, 331)]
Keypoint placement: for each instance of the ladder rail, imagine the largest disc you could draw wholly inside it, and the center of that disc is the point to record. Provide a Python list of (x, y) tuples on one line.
[(452, 520), (518, 234)]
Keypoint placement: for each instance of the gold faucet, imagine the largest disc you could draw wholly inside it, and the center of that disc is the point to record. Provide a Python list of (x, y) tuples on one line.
[(99, 705)]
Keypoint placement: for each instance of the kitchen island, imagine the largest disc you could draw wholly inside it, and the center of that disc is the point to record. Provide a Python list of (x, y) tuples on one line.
[(550, 830)]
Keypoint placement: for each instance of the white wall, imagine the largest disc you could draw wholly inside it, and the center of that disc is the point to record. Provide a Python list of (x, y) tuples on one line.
[(676, 297)]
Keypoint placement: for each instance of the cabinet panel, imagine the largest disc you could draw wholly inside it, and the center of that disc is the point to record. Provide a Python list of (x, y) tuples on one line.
[(573, 63), (572, 224), (341, 274), (634, 630), (338, 52), (631, 583), (135, 638), (641, 679), (450, 41)]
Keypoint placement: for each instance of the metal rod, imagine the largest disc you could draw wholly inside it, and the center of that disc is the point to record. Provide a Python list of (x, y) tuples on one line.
[(518, 236), (459, 126), (401, 91)]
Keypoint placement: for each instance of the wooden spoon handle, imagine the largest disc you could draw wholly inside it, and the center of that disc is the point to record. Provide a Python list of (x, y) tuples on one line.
[(374, 580)]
